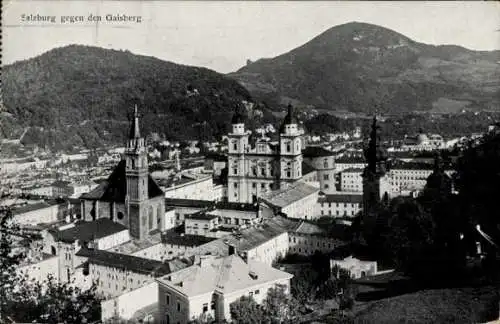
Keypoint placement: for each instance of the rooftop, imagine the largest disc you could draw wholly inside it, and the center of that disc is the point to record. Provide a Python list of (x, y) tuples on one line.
[(342, 198), (87, 231), (179, 202), (114, 188), (225, 275), (292, 193), (35, 206), (201, 216), (131, 263), (316, 151), (350, 159), (306, 168), (134, 246), (172, 236)]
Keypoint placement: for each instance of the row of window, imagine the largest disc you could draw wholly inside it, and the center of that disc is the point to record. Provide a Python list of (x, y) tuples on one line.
[(340, 205), (346, 213)]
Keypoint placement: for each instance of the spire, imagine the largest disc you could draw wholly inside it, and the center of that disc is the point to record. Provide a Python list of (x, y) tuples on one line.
[(375, 154), (238, 117), (289, 118), (134, 128)]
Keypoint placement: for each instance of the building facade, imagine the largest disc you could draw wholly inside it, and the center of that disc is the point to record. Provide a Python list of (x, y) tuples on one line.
[(256, 169)]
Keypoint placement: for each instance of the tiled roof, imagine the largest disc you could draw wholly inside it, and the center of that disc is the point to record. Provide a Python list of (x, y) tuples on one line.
[(342, 198), (115, 187), (225, 275), (316, 151), (86, 231), (292, 193), (131, 263)]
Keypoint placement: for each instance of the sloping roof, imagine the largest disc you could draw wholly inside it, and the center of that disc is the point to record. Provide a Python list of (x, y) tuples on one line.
[(35, 206), (288, 195), (308, 228), (115, 187), (86, 231), (227, 274), (131, 263), (316, 151), (173, 237), (306, 168)]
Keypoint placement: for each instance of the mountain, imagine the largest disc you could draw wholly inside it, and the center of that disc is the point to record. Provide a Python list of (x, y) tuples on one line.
[(361, 67), (81, 96)]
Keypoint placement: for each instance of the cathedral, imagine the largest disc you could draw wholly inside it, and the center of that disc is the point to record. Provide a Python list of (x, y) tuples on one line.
[(266, 165), (129, 196)]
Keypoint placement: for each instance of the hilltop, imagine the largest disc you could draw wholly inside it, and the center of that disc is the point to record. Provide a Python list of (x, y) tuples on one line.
[(360, 67), (81, 96)]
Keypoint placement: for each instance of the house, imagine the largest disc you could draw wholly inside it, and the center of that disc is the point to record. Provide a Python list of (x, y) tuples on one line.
[(208, 287), (297, 200), (358, 268)]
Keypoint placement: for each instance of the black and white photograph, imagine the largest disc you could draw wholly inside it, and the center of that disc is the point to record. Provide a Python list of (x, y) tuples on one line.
[(248, 162)]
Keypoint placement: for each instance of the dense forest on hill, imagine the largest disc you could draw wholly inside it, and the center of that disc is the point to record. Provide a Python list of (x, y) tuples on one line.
[(81, 96)]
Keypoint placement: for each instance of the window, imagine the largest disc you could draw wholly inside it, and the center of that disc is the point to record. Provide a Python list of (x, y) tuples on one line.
[(178, 306), (325, 163), (177, 216), (212, 305), (235, 171), (251, 293), (288, 174), (254, 185), (205, 307), (235, 185), (288, 147), (327, 186), (263, 171), (257, 292), (262, 186), (235, 145), (325, 176)]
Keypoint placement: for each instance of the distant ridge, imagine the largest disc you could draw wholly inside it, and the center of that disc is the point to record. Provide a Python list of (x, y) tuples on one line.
[(361, 67)]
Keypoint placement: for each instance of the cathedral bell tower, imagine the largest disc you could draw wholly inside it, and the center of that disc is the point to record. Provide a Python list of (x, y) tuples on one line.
[(290, 149), (373, 188), (137, 178), (238, 143)]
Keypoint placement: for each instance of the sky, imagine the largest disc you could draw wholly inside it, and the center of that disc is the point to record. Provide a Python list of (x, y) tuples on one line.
[(223, 35)]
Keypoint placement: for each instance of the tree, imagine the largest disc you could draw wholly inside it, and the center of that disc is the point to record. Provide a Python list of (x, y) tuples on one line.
[(246, 311), (409, 236), (27, 300), (279, 306)]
